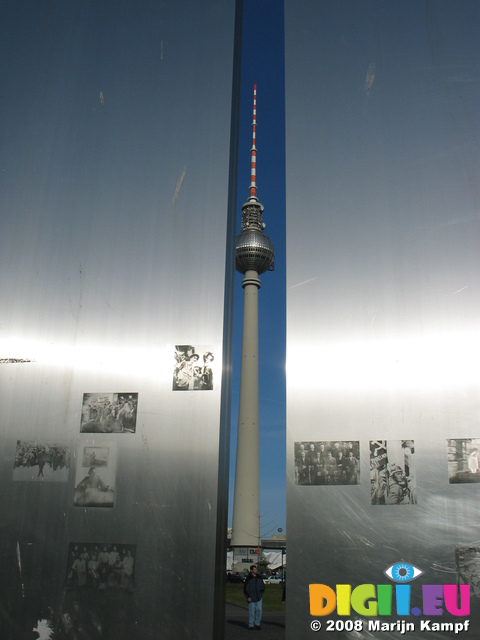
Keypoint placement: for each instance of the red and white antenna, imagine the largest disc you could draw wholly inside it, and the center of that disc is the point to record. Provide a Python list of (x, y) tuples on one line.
[(253, 162)]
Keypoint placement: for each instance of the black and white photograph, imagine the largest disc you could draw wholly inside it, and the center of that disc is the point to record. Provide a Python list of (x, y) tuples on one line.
[(41, 462), (327, 462), (109, 412), (193, 368), (467, 559), (101, 566), (95, 476), (463, 460), (392, 472), (95, 456)]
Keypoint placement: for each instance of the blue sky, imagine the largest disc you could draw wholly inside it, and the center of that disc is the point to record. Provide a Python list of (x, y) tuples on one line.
[(263, 64)]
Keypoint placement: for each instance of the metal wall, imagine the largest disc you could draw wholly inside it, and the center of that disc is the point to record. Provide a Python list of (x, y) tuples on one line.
[(383, 232), (116, 211)]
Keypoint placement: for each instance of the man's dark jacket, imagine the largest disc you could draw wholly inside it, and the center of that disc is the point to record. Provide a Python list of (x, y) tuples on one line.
[(253, 587)]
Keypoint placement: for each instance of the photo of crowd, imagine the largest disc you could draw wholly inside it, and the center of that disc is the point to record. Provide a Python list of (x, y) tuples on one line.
[(192, 372), (41, 461), (109, 412), (327, 462), (392, 477), (467, 560), (101, 566), (463, 460)]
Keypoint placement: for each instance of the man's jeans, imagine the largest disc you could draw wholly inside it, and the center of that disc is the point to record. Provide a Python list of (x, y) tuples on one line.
[(254, 613)]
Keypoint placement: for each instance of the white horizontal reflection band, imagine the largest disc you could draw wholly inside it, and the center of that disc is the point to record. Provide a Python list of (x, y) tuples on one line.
[(421, 362), (140, 360)]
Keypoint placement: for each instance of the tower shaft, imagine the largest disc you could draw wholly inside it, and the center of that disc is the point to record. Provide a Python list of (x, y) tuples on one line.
[(246, 509)]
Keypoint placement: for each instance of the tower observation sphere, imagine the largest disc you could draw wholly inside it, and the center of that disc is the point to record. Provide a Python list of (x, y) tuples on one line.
[(253, 249)]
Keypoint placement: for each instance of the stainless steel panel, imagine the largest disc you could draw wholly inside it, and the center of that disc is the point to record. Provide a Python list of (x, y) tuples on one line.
[(382, 288), (115, 211)]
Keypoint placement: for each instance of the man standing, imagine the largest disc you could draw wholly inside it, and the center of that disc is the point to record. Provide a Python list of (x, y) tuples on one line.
[(253, 589)]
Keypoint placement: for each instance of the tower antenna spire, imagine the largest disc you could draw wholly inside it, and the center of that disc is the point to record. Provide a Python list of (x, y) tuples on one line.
[(253, 158)]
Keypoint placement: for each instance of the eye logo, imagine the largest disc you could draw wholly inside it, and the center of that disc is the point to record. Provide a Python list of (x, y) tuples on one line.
[(379, 600), (402, 572)]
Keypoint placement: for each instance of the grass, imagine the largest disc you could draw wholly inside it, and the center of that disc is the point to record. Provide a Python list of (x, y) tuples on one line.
[(272, 597)]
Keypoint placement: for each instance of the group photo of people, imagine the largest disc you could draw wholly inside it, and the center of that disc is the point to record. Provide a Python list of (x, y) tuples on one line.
[(109, 412), (101, 566), (392, 477), (192, 371), (327, 462)]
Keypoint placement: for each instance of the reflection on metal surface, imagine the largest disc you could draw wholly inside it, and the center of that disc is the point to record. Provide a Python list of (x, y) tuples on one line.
[(142, 360), (383, 342), (99, 281), (437, 360), (179, 184), (370, 77)]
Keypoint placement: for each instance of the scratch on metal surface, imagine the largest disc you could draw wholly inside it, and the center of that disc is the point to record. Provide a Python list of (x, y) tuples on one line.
[(179, 184), (86, 518), (366, 541), (372, 311), (102, 101), (161, 49), (300, 284), (437, 566), (19, 562), (370, 77), (462, 289)]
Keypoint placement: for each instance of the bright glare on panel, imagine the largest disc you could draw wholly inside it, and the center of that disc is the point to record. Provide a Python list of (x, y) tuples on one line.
[(143, 361), (437, 361)]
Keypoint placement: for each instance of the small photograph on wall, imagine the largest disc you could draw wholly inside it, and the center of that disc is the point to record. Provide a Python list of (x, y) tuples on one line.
[(95, 456), (101, 566), (392, 472), (467, 560), (109, 412), (327, 462), (41, 462), (95, 477), (463, 460), (193, 368)]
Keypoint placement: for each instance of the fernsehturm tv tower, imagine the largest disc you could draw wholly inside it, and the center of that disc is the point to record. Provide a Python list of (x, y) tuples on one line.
[(254, 255)]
